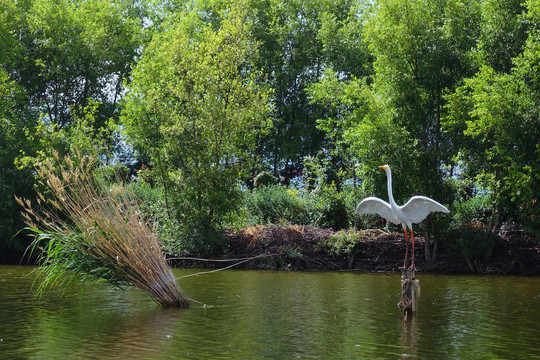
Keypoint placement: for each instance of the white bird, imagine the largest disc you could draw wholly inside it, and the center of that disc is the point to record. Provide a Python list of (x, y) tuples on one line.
[(414, 211)]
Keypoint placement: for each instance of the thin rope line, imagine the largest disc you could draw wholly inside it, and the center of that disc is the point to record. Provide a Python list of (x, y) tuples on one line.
[(217, 260), (226, 267)]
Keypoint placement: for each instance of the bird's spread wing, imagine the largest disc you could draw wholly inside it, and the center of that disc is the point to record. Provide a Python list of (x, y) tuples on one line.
[(373, 205), (419, 207)]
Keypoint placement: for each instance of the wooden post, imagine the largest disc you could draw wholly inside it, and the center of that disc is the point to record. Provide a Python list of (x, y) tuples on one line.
[(410, 292)]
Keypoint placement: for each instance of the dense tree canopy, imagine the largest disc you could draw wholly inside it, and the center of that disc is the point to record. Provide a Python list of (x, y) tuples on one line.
[(213, 92), (496, 118), (197, 106)]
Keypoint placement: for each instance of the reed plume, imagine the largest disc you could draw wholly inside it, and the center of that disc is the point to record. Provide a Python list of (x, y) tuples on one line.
[(88, 230)]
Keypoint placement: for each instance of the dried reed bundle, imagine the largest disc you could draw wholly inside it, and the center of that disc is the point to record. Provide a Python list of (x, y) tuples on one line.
[(95, 231)]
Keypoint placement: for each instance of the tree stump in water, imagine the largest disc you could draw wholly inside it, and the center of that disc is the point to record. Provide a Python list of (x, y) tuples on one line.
[(410, 292)]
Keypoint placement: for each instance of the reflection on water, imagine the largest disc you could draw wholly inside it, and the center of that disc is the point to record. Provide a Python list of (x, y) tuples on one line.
[(275, 315), (408, 338)]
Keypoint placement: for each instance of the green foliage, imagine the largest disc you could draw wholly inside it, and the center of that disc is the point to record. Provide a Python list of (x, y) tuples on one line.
[(326, 207), (296, 39), (12, 180), (75, 51), (62, 64), (437, 89), (503, 31), (116, 173), (341, 36), (332, 208), (264, 178), (66, 262), (365, 124), (501, 128), (417, 60), (277, 204), (319, 171), (474, 210), (468, 242), (162, 216), (343, 243), (84, 136), (196, 106)]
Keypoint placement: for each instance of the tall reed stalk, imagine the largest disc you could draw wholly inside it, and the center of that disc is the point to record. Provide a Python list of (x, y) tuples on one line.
[(88, 230)]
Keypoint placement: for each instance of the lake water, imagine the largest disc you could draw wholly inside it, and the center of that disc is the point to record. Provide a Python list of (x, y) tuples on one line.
[(275, 315)]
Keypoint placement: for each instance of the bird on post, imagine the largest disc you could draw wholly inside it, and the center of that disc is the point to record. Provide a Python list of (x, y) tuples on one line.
[(413, 212)]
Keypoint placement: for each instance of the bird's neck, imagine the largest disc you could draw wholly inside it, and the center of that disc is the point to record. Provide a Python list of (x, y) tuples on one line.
[(390, 193)]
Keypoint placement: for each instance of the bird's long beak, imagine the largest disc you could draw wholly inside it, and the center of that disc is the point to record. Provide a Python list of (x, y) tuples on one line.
[(384, 167)]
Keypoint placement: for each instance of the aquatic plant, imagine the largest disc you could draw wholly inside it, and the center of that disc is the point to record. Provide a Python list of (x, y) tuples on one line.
[(87, 230)]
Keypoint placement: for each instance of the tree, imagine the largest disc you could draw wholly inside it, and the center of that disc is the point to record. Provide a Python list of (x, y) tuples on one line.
[(197, 105), (420, 50), (75, 51), (62, 68), (296, 38), (503, 31), (348, 67), (362, 129), (70, 59), (12, 140), (12, 180), (498, 116), (341, 34)]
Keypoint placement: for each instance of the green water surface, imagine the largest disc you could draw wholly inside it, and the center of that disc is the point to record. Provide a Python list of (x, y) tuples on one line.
[(275, 315)]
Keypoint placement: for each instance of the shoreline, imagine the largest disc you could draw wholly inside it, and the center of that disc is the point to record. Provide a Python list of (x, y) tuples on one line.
[(276, 247)]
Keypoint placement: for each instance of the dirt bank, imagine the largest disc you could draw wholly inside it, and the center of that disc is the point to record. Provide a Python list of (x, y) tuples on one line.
[(309, 248)]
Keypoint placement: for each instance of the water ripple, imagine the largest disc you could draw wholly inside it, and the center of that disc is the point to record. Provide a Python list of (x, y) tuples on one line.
[(275, 315)]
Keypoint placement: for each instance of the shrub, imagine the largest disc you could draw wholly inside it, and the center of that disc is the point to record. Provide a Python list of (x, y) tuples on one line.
[(326, 208), (154, 207), (319, 170), (264, 178), (468, 242), (332, 208), (113, 173), (344, 243), (476, 209), (277, 204)]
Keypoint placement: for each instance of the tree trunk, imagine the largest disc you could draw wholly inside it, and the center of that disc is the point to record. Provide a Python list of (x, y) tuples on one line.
[(427, 252), (435, 242)]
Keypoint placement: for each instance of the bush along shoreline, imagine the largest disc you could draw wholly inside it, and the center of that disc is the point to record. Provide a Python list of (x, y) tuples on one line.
[(277, 247)]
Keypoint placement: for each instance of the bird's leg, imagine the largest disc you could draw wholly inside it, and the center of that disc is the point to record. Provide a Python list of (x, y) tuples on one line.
[(412, 267), (406, 251)]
